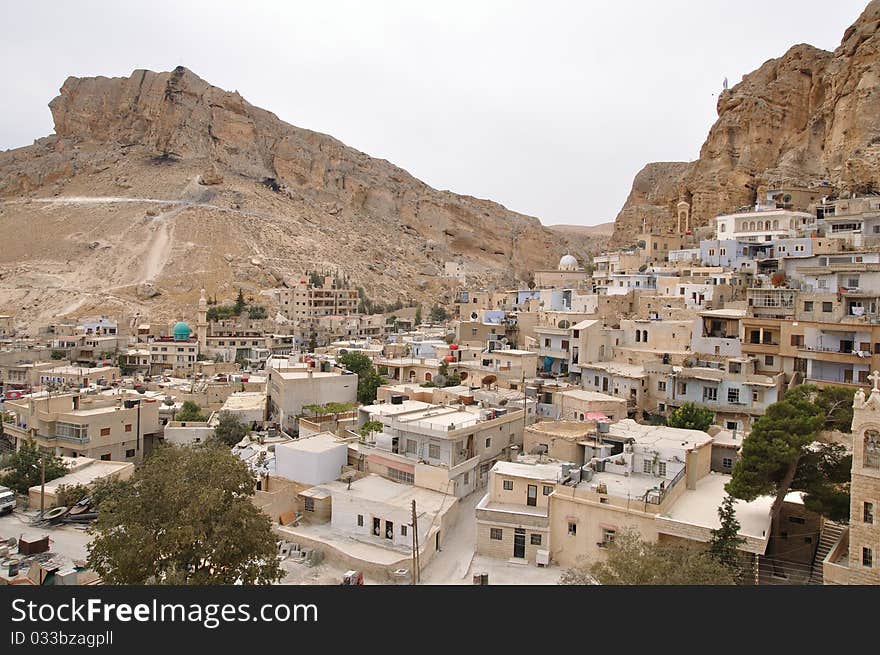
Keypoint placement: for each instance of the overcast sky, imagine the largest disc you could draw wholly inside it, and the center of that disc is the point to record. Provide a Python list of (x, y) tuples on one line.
[(549, 108)]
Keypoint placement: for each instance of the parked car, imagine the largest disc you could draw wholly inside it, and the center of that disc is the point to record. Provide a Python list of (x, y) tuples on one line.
[(7, 500)]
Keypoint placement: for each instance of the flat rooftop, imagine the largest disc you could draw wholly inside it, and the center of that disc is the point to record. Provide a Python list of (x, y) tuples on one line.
[(570, 429), (700, 507), (317, 443), (658, 436), (374, 488), (244, 401), (617, 368), (546, 472), (389, 409), (591, 396), (304, 374), (632, 486)]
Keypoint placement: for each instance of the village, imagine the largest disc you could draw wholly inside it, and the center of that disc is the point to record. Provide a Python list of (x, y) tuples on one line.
[(502, 439)]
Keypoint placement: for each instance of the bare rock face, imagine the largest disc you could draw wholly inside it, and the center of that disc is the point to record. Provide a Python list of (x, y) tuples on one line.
[(145, 291), (806, 117), (231, 182)]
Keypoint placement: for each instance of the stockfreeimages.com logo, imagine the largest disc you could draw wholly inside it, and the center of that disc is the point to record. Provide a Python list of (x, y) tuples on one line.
[(210, 615)]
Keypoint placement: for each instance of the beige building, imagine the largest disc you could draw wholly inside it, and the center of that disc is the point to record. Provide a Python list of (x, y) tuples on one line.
[(106, 427), (853, 558), (289, 390), (306, 302), (513, 518)]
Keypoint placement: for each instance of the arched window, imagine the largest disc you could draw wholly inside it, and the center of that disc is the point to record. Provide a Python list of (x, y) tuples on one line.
[(871, 458), (638, 336), (427, 377), (644, 336), (412, 376), (775, 225)]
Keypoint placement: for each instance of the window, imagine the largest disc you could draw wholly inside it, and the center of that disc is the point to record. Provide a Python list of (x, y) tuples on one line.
[(868, 513), (488, 442), (105, 458), (661, 385), (827, 307), (402, 530), (756, 397), (548, 490), (607, 537), (536, 539), (495, 533), (768, 360), (411, 446), (572, 528), (128, 427), (433, 451), (661, 469), (710, 393), (508, 485), (647, 466), (361, 520), (733, 395), (800, 520), (129, 452), (105, 432), (682, 387), (467, 478), (867, 557), (726, 463), (401, 476), (797, 340), (309, 504), (732, 425)]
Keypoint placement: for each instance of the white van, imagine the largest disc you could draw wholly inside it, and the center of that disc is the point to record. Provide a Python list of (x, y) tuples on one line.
[(7, 500)]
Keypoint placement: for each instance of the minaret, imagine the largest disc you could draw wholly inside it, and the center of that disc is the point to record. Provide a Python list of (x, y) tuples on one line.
[(202, 324)]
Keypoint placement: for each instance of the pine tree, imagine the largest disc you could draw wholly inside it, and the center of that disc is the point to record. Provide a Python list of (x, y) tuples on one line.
[(725, 540)]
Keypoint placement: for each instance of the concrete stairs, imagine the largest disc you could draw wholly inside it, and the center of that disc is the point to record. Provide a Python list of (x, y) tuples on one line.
[(829, 536)]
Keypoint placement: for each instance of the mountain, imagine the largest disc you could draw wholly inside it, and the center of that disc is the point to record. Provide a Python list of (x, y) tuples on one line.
[(158, 184), (808, 117)]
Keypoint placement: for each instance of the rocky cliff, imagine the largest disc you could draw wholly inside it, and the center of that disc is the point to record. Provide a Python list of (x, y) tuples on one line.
[(807, 117), (159, 183)]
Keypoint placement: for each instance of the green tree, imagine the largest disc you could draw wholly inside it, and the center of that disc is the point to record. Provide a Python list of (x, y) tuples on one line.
[(632, 561), (190, 411), (777, 453), (438, 314), (257, 312), (691, 417), (229, 430), (369, 379), (57, 354), (24, 466), (418, 320), (240, 303), (726, 540), (370, 427), (185, 517)]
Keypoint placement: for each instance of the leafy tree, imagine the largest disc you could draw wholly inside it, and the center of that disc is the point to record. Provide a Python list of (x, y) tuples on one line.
[(229, 429), (185, 517), (190, 411), (97, 492), (24, 466), (824, 472), (221, 312), (368, 379), (446, 379), (779, 451), (438, 314), (240, 303), (691, 417), (370, 427), (632, 561), (726, 540), (57, 354), (257, 312)]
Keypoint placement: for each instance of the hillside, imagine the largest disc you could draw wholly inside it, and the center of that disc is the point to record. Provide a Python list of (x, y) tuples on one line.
[(158, 184), (804, 118)]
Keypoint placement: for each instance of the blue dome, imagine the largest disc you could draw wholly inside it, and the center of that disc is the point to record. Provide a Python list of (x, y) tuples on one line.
[(181, 332)]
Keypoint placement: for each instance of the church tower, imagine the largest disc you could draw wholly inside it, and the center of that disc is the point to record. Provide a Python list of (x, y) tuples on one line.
[(202, 323), (864, 527)]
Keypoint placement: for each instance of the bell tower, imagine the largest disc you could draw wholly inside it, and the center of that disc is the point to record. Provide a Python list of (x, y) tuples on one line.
[(864, 527)]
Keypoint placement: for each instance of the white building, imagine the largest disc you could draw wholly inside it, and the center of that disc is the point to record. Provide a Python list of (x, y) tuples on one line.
[(311, 460)]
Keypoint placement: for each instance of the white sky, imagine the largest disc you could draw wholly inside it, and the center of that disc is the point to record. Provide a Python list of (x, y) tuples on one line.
[(547, 107)]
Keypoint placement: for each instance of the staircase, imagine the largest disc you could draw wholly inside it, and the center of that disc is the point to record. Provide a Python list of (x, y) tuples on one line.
[(830, 535)]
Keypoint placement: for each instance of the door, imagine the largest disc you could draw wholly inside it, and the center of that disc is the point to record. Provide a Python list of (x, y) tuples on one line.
[(532, 497), (848, 375), (377, 527), (604, 384), (519, 543), (389, 530)]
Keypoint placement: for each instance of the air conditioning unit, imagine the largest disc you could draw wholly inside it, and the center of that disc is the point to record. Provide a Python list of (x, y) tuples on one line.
[(542, 557)]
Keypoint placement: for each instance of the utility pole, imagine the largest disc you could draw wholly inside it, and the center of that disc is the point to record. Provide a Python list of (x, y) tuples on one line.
[(415, 541), (42, 483)]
